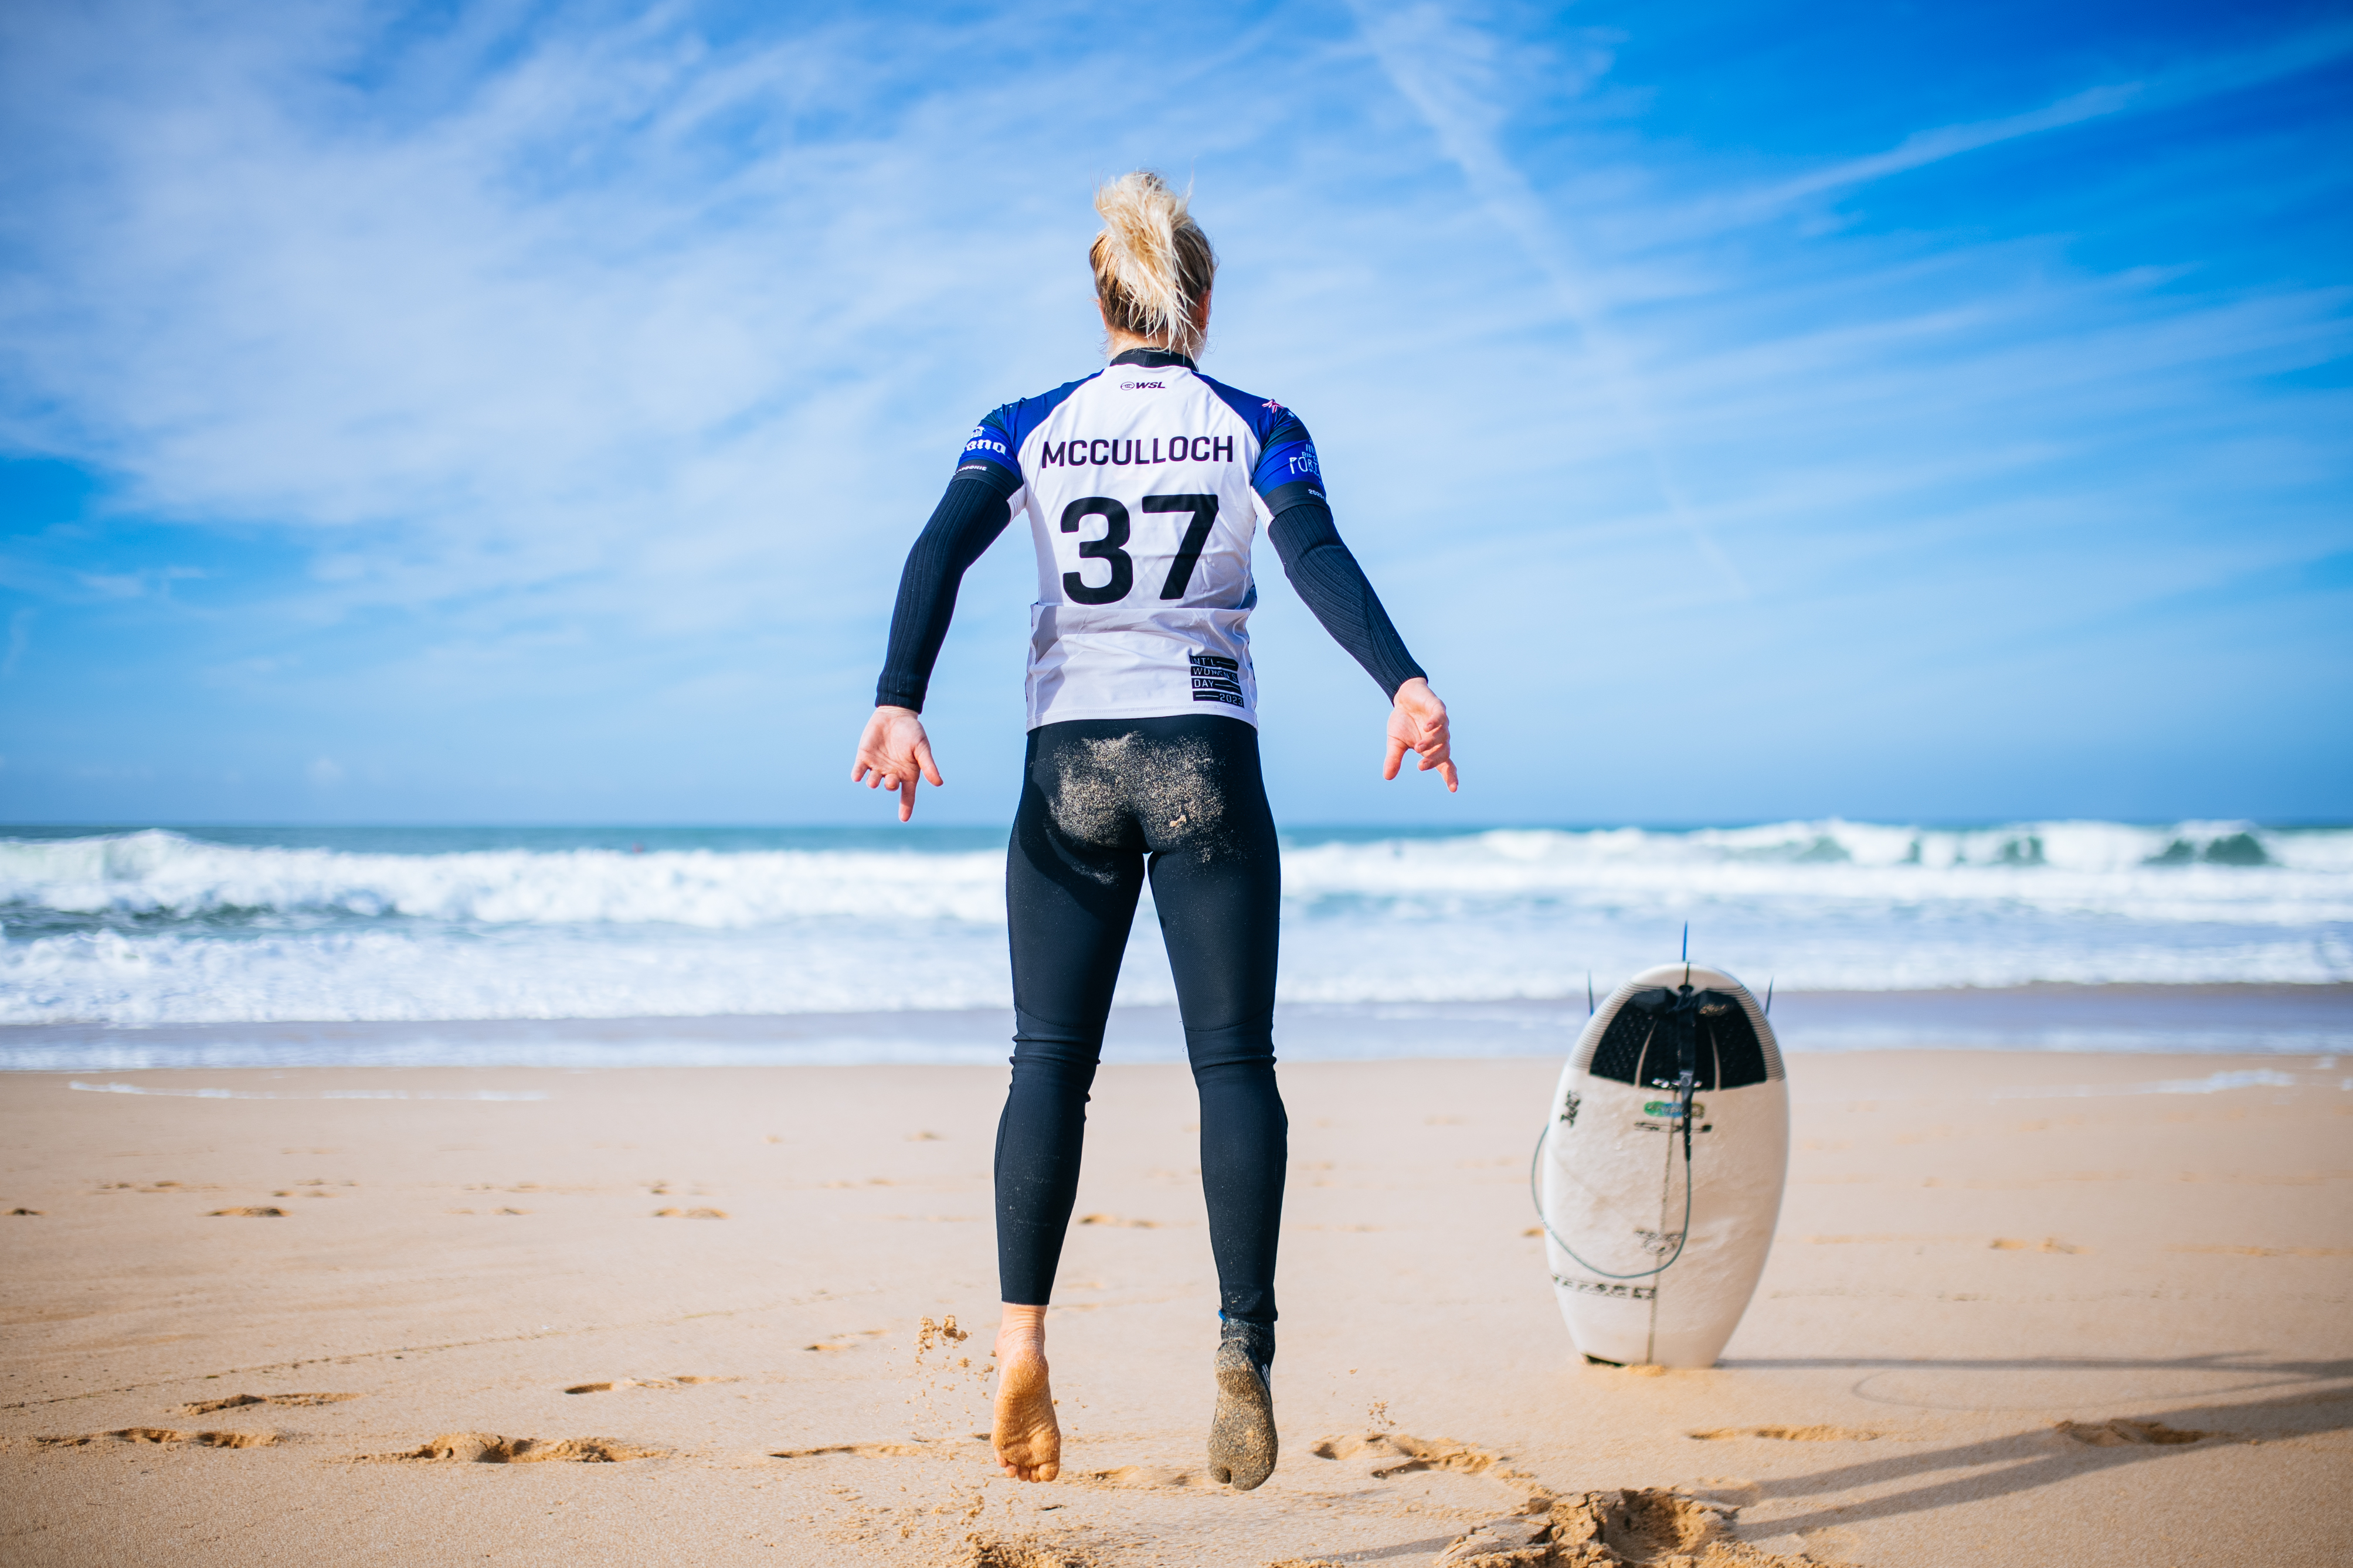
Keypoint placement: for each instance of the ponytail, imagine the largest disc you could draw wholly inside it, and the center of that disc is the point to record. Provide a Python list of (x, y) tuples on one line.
[(1152, 262)]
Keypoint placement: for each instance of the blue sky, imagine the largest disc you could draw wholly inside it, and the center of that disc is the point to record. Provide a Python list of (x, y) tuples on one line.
[(513, 412)]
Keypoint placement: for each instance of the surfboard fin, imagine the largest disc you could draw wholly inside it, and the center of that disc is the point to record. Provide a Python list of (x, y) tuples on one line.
[(1588, 993), (1769, 997)]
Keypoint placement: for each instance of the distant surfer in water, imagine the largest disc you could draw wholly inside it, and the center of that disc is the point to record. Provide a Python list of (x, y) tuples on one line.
[(1144, 484)]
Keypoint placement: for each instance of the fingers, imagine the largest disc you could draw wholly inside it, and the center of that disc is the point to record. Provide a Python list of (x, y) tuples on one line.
[(1418, 724), (893, 755)]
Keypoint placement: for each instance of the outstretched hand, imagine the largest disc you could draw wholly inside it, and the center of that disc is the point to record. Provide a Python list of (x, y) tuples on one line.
[(1418, 724), (894, 752)]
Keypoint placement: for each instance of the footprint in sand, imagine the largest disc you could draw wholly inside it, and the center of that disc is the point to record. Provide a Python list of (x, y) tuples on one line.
[(29, 1214), (166, 1436), (1144, 1478), (1789, 1434), (261, 1212), (489, 1448), (690, 1214), (1113, 1219), (1403, 1454), (620, 1382), (870, 1450), (2226, 1251), (2118, 1433), (850, 1342), (238, 1401), (1831, 1544)]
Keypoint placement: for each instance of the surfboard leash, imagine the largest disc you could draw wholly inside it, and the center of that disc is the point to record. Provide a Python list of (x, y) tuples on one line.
[(1535, 1195)]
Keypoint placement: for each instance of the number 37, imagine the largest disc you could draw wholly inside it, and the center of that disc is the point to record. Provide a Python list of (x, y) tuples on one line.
[(1115, 535)]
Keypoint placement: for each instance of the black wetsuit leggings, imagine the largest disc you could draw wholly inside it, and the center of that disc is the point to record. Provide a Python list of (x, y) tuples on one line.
[(1102, 800)]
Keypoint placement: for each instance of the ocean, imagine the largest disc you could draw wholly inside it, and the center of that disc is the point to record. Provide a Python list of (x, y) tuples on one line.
[(152, 940)]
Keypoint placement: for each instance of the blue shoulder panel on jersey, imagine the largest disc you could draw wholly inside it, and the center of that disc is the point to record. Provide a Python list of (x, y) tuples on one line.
[(996, 441), (1287, 469)]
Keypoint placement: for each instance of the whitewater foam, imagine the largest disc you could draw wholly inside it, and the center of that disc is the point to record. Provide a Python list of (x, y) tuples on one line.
[(159, 927)]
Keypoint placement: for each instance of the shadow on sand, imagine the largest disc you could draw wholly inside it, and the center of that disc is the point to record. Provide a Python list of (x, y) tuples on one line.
[(2021, 1461)]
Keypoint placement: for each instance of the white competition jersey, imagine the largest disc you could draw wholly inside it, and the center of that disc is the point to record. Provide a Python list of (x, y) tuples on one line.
[(1144, 484)]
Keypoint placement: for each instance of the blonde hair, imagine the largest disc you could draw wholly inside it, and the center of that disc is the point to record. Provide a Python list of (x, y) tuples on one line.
[(1153, 264)]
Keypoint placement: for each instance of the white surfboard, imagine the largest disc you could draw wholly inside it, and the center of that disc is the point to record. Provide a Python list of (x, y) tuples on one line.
[(1612, 1179)]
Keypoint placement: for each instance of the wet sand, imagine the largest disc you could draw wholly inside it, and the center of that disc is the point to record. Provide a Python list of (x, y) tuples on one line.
[(2023, 1308), (2256, 1018)]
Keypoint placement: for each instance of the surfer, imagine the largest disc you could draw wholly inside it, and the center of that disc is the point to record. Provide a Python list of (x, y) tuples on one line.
[(1142, 483)]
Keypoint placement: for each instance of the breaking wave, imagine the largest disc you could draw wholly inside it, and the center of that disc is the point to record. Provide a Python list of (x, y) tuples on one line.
[(161, 927)]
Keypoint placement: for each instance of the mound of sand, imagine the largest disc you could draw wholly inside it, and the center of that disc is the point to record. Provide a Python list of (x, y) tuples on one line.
[(1022, 1551), (1595, 1530)]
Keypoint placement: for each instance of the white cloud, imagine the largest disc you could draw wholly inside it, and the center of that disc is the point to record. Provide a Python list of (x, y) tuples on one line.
[(625, 354), (554, 321)]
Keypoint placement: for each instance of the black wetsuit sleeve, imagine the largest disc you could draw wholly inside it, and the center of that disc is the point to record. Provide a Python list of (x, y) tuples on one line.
[(967, 520), (1328, 576)]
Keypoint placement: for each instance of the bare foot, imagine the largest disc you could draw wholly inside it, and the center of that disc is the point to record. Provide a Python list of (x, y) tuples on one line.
[(1242, 1443), (1028, 1440)]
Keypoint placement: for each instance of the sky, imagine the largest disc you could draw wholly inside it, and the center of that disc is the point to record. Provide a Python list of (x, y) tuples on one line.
[(519, 413)]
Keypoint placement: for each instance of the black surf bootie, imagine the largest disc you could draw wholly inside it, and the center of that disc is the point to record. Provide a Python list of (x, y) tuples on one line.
[(1241, 1434)]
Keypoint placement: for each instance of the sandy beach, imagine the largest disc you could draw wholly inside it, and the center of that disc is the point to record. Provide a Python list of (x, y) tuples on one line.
[(2023, 1308)]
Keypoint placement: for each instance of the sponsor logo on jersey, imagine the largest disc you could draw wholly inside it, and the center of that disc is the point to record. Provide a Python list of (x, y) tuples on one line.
[(985, 440), (1143, 386), (1081, 453), (1216, 678)]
